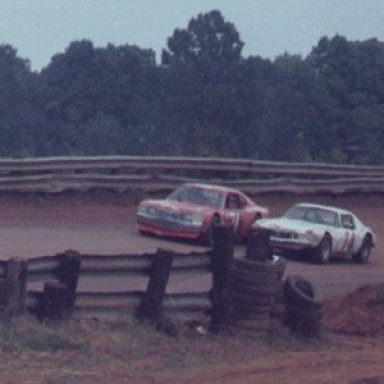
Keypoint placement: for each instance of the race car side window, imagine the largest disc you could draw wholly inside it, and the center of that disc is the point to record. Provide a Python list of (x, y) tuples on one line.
[(243, 202), (347, 222), (232, 202)]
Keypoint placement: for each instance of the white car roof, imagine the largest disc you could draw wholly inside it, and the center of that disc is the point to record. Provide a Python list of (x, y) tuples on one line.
[(321, 206)]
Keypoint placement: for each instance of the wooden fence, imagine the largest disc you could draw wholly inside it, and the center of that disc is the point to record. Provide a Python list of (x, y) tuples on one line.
[(48, 286), (162, 174)]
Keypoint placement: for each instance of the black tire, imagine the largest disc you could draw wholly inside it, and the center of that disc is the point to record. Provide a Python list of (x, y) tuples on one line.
[(208, 237), (244, 311), (274, 266), (253, 278), (250, 300), (304, 321), (323, 252), (255, 290), (278, 311), (251, 316), (302, 293), (362, 256), (304, 327), (305, 315)]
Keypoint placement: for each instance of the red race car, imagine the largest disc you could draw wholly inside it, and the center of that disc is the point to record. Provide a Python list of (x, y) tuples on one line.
[(192, 209)]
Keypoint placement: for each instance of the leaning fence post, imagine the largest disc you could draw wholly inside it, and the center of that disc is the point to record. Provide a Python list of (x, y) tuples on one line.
[(14, 286), (68, 272), (222, 258), (58, 298), (153, 298)]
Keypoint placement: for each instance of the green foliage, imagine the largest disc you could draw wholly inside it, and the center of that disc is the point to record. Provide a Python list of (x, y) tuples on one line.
[(208, 37), (204, 100)]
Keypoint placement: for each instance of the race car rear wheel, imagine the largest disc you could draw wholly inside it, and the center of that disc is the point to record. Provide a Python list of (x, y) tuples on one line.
[(322, 253), (362, 256)]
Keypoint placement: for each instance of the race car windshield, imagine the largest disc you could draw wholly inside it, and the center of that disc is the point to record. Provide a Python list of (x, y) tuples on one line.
[(198, 196), (313, 215)]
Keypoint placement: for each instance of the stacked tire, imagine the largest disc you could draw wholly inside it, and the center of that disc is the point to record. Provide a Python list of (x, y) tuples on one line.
[(304, 306), (253, 287)]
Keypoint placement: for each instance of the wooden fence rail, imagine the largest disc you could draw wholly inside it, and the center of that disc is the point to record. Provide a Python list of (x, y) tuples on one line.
[(241, 291), (158, 174), (57, 287), (116, 270)]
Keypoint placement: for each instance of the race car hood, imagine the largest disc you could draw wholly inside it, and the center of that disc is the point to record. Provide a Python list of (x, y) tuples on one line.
[(178, 206), (289, 225)]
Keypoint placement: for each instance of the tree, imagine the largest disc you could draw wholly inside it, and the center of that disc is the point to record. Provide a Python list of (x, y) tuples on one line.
[(19, 109), (87, 84), (354, 74), (207, 37)]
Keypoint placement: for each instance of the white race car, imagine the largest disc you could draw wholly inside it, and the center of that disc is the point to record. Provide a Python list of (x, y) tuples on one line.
[(322, 231)]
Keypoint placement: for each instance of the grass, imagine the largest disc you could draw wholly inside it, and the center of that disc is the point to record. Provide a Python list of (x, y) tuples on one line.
[(27, 333), (64, 352)]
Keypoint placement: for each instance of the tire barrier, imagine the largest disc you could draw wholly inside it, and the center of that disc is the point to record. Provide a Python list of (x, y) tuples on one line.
[(278, 308), (253, 288), (258, 247), (304, 306)]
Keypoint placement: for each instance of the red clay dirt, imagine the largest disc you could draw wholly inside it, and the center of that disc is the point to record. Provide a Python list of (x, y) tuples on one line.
[(351, 349)]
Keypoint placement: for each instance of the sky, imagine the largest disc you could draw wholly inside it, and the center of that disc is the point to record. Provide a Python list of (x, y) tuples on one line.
[(39, 29)]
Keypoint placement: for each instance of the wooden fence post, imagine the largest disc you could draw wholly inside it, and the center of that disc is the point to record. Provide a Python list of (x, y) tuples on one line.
[(152, 301), (54, 301), (12, 287), (222, 258), (3, 294), (59, 297), (258, 247), (68, 273)]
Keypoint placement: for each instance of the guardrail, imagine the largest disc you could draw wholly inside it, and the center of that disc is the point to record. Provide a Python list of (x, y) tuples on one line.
[(241, 292), (48, 286), (157, 174)]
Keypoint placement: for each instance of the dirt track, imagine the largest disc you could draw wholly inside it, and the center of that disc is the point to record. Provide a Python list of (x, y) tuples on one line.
[(39, 227)]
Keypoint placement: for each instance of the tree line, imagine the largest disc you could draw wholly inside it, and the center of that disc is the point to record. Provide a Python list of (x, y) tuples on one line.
[(203, 99)]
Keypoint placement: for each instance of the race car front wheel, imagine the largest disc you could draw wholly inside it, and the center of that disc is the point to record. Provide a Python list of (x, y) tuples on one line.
[(322, 253)]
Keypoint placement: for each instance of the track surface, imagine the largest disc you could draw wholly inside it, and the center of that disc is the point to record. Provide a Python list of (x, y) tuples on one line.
[(42, 227)]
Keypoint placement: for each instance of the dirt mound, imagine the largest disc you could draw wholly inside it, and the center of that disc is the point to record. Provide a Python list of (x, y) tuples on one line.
[(359, 313)]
